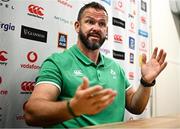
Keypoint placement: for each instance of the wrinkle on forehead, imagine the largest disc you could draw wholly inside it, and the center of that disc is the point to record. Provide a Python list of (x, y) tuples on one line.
[(99, 14)]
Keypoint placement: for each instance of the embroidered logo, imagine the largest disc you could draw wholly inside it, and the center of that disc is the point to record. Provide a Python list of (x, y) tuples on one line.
[(78, 72), (113, 73)]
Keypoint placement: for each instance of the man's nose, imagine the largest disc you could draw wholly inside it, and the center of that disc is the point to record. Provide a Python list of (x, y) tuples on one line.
[(96, 27)]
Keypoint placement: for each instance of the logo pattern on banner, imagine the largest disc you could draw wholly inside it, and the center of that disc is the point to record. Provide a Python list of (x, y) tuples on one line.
[(36, 11), (62, 40), (119, 22), (119, 55), (27, 87), (7, 27), (44, 28), (33, 34), (0, 80), (118, 38), (32, 57), (119, 5), (3, 58), (66, 3), (107, 1)]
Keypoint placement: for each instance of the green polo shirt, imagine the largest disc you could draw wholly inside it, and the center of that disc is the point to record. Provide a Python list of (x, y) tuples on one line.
[(65, 70)]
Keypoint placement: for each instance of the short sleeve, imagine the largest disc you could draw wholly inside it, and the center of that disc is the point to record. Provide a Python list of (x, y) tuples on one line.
[(49, 73)]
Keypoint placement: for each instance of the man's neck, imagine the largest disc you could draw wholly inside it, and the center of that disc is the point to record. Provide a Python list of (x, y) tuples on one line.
[(91, 54)]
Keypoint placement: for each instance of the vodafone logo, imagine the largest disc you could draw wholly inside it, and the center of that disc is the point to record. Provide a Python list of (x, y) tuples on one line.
[(35, 10), (143, 20), (32, 57), (143, 45), (0, 79), (27, 86), (132, 25), (120, 4), (2, 56)]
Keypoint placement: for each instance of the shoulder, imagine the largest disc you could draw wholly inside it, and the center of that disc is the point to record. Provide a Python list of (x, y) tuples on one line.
[(59, 56)]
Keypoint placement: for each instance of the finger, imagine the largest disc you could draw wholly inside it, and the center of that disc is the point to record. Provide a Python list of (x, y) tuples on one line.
[(85, 84), (163, 66), (160, 55), (105, 98), (105, 102), (154, 53), (162, 59), (90, 91), (144, 59), (98, 95)]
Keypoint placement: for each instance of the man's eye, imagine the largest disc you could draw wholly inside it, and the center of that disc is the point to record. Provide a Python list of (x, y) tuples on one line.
[(90, 22), (102, 24)]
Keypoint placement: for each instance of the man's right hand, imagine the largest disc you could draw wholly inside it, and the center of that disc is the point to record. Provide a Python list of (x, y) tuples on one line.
[(91, 100)]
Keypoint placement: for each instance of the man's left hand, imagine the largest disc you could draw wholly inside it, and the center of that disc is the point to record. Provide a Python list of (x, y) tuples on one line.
[(151, 69)]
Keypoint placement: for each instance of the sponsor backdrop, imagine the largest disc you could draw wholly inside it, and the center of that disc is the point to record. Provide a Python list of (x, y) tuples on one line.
[(31, 30)]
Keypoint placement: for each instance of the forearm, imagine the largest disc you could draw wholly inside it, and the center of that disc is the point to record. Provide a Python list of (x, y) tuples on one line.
[(39, 112), (139, 100)]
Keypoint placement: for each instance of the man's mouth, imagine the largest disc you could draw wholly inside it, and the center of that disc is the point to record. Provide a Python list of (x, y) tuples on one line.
[(96, 36)]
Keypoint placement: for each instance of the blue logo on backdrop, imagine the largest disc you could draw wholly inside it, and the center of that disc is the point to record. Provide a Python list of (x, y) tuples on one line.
[(107, 1), (131, 58), (143, 33), (62, 40), (131, 43), (7, 27)]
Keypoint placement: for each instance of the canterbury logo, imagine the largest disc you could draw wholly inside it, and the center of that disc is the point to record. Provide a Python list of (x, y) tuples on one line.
[(27, 86), (2, 57), (35, 10)]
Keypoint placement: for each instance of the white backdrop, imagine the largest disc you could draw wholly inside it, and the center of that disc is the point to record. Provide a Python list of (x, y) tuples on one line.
[(30, 30)]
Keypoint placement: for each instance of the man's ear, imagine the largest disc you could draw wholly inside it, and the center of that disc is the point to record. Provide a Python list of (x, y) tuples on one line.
[(77, 26)]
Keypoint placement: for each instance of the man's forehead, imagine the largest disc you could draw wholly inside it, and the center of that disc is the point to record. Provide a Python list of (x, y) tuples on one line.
[(97, 13)]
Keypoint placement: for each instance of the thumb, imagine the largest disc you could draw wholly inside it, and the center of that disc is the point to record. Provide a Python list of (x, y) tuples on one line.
[(144, 59), (85, 84)]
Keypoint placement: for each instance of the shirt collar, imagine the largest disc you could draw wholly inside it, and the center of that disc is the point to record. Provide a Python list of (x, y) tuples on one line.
[(77, 52)]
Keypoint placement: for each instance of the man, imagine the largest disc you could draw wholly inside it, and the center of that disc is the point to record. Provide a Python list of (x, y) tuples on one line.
[(80, 87)]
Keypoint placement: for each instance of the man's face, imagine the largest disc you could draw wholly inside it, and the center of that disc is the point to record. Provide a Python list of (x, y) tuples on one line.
[(93, 28)]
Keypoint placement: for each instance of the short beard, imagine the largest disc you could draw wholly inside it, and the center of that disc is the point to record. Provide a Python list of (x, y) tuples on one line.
[(88, 44)]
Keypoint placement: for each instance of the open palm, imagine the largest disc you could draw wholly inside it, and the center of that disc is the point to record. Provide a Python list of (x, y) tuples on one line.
[(151, 69)]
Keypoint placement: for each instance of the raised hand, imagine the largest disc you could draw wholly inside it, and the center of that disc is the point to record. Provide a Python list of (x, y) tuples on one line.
[(91, 100), (151, 69)]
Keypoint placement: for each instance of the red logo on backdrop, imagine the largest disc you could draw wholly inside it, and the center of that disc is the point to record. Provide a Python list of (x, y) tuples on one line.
[(119, 6), (143, 47), (0, 79), (118, 38), (132, 27), (35, 10), (2, 56), (143, 44), (65, 3), (143, 19), (27, 87), (32, 57)]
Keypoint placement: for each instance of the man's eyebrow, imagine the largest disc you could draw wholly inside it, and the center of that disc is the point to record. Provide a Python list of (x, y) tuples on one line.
[(94, 18)]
